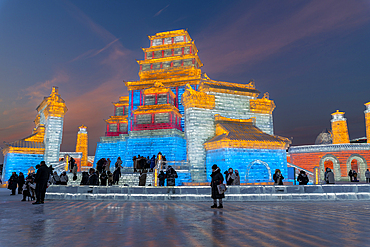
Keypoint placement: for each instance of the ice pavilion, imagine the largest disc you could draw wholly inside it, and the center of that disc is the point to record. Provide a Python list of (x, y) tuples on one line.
[(179, 111)]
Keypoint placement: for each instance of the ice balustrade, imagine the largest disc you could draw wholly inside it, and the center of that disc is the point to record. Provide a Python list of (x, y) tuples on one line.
[(59, 166), (310, 175)]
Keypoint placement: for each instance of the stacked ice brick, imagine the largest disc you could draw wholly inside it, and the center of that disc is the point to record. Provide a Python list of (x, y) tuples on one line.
[(53, 139), (253, 165), (200, 126)]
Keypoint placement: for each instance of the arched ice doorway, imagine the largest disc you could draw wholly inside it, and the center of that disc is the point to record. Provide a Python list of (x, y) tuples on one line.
[(360, 163), (333, 163), (258, 171)]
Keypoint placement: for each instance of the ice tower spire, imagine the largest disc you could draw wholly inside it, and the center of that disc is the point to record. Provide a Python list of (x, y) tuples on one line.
[(51, 113), (339, 128), (367, 121)]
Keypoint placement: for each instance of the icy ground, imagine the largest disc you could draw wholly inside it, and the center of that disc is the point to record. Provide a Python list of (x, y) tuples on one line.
[(97, 223)]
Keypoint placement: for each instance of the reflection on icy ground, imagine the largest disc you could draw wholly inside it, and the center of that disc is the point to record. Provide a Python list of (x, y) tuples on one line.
[(94, 223)]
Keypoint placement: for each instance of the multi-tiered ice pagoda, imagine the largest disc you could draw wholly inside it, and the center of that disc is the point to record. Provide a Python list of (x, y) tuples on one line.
[(179, 111)]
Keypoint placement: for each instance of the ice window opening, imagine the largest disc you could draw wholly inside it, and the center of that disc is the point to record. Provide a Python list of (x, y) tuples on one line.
[(144, 119), (162, 118), (112, 127), (119, 111), (157, 42), (161, 99), (149, 99)]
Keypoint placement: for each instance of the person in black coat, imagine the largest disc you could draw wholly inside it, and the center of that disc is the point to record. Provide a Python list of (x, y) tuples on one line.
[(103, 179), (12, 183), (99, 165), (41, 179), (21, 182), (217, 179), (93, 178), (171, 176), (116, 175), (302, 178), (278, 177), (161, 178), (85, 178)]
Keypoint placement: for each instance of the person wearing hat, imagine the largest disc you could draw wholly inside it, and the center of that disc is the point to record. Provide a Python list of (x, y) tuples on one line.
[(217, 179)]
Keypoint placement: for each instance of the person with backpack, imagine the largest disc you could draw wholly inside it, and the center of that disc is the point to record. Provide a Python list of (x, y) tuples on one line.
[(171, 176)]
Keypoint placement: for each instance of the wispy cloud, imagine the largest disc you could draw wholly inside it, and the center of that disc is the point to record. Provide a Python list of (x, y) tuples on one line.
[(42, 89), (88, 22), (160, 11), (92, 53), (104, 48), (248, 40), (82, 56)]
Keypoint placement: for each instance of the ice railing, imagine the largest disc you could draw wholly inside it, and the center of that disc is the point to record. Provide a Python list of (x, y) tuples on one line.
[(298, 169), (177, 165), (59, 166)]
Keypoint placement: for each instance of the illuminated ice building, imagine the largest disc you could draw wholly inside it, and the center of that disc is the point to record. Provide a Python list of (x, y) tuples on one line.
[(44, 143), (179, 111), (335, 150)]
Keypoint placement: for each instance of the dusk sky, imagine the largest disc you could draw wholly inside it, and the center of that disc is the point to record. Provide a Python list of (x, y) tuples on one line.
[(313, 57)]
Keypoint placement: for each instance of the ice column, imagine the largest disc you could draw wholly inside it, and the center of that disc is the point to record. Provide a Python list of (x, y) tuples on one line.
[(367, 121), (339, 128), (52, 110), (53, 139)]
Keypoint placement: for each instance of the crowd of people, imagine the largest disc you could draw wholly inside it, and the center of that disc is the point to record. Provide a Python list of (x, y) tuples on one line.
[(34, 185), (231, 177), (102, 175), (141, 163)]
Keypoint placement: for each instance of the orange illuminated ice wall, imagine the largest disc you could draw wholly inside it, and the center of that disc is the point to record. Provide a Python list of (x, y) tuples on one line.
[(341, 155)]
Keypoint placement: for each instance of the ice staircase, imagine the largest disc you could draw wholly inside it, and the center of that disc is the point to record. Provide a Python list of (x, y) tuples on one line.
[(326, 192)]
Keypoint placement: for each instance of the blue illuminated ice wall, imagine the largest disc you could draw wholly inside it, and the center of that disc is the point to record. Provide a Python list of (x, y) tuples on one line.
[(257, 161), (17, 162), (171, 145)]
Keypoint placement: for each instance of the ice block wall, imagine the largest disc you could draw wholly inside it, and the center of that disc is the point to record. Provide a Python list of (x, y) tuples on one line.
[(20, 162), (53, 138), (170, 142), (254, 165)]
